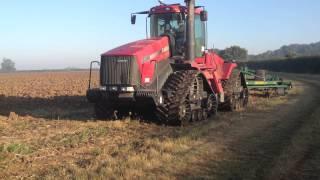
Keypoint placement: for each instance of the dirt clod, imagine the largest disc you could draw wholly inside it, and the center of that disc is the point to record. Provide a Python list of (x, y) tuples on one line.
[(13, 116)]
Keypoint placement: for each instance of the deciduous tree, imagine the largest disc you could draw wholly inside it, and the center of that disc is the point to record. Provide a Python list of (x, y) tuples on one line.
[(7, 65)]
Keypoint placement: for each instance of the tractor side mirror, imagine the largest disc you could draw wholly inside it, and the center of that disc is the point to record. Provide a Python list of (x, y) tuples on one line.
[(133, 19), (204, 15)]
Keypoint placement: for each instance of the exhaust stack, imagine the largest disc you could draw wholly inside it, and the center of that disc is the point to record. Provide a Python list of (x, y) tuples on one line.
[(190, 49)]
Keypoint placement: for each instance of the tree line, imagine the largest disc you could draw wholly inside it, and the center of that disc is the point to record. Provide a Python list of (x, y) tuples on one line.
[(233, 53), (291, 65), (289, 51)]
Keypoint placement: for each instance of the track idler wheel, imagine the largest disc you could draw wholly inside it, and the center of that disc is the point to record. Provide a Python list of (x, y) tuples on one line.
[(236, 96), (211, 105)]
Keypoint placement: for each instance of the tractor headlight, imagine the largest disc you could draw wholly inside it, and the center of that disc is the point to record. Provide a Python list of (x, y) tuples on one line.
[(103, 88), (127, 89), (114, 88), (130, 89)]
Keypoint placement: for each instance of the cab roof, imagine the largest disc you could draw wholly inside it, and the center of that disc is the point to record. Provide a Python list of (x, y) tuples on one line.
[(172, 8)]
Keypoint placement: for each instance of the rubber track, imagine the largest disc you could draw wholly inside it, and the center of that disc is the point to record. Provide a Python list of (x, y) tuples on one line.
[(175, 91), (232, 92)]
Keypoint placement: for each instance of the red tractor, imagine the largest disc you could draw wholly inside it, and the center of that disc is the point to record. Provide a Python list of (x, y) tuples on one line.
[(171, 74)]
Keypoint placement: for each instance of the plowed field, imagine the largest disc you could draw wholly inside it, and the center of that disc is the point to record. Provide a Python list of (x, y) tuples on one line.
[(47, 131)]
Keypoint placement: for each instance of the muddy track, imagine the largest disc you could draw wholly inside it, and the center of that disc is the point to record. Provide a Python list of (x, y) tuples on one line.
[(278, 143)]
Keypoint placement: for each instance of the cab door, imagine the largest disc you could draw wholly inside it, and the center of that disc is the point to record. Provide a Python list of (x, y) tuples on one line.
[(200, 36)]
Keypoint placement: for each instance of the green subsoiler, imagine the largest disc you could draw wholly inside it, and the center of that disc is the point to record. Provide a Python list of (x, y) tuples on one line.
[(265, 82)]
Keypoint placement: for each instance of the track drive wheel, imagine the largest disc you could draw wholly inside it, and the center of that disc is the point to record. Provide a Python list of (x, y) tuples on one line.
[(176, 109), (236, 96), (183, 94)]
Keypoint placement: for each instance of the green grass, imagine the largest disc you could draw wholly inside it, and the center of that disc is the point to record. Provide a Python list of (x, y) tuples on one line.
[(71, 140), (16, 148), (96, 151), (20, 125), (75, 139), (2, 156)]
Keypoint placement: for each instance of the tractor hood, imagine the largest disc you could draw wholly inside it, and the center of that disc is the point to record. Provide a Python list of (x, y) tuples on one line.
[(134, 62), (143, 50)]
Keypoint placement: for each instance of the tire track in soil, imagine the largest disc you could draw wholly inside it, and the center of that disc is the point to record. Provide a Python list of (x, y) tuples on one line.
[(308, 165), (255, 143)]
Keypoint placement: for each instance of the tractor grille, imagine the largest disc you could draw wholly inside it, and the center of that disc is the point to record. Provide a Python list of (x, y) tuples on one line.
[(119, 70)]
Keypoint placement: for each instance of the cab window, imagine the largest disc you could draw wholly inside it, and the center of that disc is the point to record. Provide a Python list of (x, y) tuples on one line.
[(199, 36)]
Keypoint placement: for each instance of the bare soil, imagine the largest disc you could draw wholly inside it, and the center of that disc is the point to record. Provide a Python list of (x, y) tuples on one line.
[(47, 131)]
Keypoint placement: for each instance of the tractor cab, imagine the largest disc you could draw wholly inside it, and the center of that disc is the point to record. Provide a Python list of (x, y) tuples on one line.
[(171, 21)]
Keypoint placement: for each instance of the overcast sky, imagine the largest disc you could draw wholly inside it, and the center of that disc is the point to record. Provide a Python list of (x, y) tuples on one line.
[(70, 33)]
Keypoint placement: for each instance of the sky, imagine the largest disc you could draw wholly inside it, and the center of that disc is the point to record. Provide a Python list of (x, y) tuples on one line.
[(39, 34)]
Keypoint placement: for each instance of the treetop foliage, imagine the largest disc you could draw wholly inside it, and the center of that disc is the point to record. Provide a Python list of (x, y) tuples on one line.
[(7, 65)]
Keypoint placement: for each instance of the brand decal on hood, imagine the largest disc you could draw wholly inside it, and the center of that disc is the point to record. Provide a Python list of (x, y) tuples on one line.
[(155, 54)]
